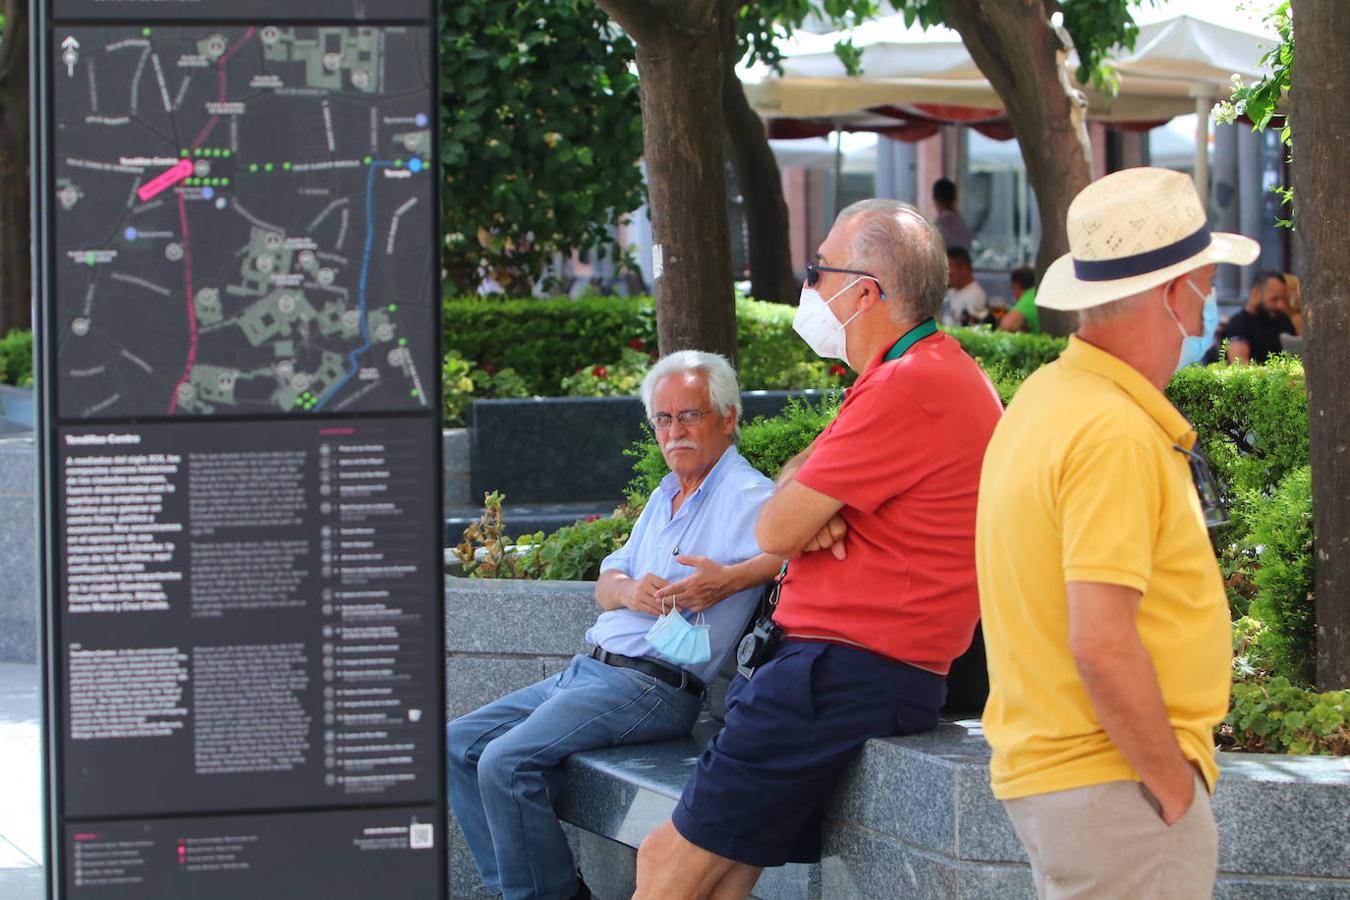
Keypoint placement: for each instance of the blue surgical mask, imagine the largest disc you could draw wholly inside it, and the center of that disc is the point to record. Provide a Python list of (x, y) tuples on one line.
[(680, 642), (1193, 346)]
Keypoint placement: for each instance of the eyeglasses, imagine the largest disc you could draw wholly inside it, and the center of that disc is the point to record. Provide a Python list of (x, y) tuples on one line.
[(688, 418), (1207, 486), (813, 271)]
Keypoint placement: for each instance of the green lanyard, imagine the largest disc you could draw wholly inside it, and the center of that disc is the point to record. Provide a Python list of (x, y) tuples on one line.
[(910, 338)]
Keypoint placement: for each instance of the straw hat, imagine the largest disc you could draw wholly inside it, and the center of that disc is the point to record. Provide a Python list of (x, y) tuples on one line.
[(1133, 230)]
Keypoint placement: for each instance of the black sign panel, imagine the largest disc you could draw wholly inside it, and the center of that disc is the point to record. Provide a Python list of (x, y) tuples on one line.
[(239, 379), (243, 220), (259, 10), (341, 855)]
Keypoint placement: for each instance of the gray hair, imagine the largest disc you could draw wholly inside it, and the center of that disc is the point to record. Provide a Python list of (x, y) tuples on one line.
[(895, 242), (723, 390), (1115, 309)]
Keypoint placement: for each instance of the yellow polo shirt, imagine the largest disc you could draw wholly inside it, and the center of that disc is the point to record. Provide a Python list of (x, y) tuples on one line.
[(1082, 482)]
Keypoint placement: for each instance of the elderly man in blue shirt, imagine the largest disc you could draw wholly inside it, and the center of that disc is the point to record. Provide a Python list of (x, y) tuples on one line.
[(674, 599)]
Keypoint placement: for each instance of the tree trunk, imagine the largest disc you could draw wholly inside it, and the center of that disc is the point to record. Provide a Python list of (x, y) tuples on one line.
[(679, 59), (16, 285), (1321, 132), (761, 184), (1017, 50)]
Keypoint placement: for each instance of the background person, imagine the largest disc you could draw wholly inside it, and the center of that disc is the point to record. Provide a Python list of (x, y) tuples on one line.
[(966, 302), (953, 228), (1293, 307), (1105, 620), (878, 518), (693, 547), (1023, 315), (1254, 331)]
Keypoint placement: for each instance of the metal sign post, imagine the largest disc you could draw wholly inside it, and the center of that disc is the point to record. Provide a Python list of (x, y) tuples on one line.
[(236, 246)]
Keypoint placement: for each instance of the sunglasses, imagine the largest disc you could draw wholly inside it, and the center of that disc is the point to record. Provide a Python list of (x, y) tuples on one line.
[(1207, 486), (813, 271)]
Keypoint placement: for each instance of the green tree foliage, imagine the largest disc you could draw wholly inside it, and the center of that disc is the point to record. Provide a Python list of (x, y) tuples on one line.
[(1096, 27), (1261, 100), (542, 136)]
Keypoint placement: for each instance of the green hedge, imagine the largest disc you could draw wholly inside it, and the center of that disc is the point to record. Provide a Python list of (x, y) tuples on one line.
[(1252, 421), (16, 358), (546, 341)]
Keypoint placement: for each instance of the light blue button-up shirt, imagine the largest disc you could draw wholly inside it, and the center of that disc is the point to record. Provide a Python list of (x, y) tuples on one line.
[(717, 522)]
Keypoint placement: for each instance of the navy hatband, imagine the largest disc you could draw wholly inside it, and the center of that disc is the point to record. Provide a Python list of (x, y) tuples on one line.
[(1142, 263)]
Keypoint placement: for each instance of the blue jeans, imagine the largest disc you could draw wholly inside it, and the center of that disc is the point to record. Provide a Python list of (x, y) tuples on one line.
[(500, 757)]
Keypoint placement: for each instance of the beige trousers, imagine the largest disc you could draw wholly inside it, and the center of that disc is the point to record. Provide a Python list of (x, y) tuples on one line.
[(1108, 841)]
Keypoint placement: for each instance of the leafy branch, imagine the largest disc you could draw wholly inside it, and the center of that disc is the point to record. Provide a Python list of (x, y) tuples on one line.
[(1260, 101)]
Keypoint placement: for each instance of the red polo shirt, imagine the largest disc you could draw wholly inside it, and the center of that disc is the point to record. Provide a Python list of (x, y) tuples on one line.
[(904, 458)]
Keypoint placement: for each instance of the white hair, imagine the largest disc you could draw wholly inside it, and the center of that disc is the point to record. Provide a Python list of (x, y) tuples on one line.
[(724, 392)]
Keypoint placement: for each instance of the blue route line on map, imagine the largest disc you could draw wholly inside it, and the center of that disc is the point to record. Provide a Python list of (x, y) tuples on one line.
[(361, 292)]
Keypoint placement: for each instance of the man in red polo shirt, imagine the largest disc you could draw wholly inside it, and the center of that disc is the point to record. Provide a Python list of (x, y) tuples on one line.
[(878, 520)]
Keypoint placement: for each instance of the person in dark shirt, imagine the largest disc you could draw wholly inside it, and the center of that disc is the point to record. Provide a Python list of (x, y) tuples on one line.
[(1254, 333)]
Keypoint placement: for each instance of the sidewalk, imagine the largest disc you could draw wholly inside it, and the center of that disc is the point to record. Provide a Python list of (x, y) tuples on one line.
[(20, 784)]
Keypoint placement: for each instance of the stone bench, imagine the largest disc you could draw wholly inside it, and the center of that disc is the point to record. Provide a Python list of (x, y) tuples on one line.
[(914, 817)]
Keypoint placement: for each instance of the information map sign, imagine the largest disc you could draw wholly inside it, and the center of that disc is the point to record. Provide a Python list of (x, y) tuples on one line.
[(237, 239)]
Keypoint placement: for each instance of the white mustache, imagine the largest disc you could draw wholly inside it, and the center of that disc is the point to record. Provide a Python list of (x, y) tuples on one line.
[(681, 444)]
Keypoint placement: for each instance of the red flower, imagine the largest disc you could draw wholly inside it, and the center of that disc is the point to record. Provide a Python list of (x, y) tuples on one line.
[(591, 518), (637, 344), (839, 370), (600, 372)]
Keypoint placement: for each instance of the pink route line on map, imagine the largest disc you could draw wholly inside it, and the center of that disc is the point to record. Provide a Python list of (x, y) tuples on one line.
[(183, 222), (191, 311), (220, 97)]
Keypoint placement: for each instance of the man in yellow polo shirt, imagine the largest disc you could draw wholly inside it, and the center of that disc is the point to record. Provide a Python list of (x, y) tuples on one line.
[(1105, 619)]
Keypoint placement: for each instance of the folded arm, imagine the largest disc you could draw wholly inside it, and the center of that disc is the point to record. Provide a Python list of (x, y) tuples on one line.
[(713, 582), (617, 590)]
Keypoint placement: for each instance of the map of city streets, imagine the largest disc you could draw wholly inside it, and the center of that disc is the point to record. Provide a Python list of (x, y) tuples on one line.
[(243, 220)]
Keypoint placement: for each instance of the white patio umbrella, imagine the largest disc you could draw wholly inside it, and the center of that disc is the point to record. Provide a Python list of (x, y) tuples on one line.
[(1179, 65)]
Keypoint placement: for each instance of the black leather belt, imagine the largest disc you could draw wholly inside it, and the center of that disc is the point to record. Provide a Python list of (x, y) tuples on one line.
[(676, 678)]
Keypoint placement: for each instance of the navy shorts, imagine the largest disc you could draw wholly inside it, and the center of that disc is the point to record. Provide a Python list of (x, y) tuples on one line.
[(760, 787)]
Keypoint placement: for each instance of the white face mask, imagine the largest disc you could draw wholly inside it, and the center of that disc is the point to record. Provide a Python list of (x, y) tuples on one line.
[(817, 325)]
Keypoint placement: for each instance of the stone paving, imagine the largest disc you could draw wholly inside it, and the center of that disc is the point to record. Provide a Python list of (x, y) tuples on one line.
[(21, 786)]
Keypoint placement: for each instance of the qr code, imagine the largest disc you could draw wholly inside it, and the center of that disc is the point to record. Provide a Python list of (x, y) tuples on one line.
[(421, 836)]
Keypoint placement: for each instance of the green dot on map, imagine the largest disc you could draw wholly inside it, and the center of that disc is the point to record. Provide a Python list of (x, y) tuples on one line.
[(393, 307), (403, 342), (253, 167), (224, 182), (416, 392), (196, 151), (269, 167), (227, 153), (146, 32), (398, 163), (286, 166), (187, 152), (368, 160), (299, 401)]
